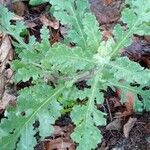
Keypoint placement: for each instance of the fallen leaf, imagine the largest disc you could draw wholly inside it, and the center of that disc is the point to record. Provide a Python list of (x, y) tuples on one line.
[(8, 74), (30, 24), (7, 99), (115, 125), (106, 33), (104, 13), (47, 22), (2, 86), (5, 47), (103, 146), (128, 126), (107, 2), (129, 104), (55, 38), (19, 8), (60, 139), (60, 144), (6, 52), (58, 131), (6, 2), (116, 101), (139, 51), (17, 18)]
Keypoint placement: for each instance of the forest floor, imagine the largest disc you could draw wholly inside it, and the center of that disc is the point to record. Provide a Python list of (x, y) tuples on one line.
[(129, 132)]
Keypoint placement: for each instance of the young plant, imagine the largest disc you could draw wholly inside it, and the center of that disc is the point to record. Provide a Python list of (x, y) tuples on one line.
[(92, 60)]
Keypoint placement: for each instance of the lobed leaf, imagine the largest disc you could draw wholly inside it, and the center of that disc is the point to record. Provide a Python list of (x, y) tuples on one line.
[(86, 133), (123, 68), (34, 103), (68, 59)]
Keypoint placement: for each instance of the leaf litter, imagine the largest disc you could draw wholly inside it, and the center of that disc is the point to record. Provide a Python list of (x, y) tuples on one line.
[(6, 55)]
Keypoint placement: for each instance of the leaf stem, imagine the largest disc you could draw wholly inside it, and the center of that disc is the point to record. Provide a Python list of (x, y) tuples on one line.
[(92, 97)]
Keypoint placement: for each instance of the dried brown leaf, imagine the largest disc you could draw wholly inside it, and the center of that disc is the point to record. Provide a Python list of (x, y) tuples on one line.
[(7, 100), (115, 124), (60, 144), (6, 2), (107, 2), (30, 24), (129, 104), (58, 131), (6, 52), (17, 18), (8, 74), (47, 22), (2, 85), (19, 8), (5, 48), (104, 13), (128, 126)]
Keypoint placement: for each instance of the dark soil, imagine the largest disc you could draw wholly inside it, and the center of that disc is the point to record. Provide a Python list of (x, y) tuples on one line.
[(139, 138)]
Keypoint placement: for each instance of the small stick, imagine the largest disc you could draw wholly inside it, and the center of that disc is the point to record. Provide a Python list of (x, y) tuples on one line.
[(110, 115)]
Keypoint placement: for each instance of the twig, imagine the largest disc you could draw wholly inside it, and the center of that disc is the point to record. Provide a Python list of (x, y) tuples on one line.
[(110, 115)]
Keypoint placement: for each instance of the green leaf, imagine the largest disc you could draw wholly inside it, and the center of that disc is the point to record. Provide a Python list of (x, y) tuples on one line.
[(31, 104), (136, 18), (86, 133), (121, 36), (5, 18), (71, 13), (27, 140), (91, 28), (28, 72), (123, 68), (68, 58), (139, 105), (138, 14), (44, 45), (37, 2)]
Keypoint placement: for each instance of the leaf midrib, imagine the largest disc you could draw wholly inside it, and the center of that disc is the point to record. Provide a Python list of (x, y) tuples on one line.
[(36, 112)]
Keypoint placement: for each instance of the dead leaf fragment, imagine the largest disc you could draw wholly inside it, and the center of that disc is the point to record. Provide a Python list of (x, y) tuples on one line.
[(5, 2), (6, 52), (128, 126), (8, 74), (17, 18), (107, 2), (47, 22), (19, 8), (129, 104), (5, 48), (60, 139), (7, 99), (2, 85), (115, 124), (103, 12), (58, 131), (30, 24), (60, 144)]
